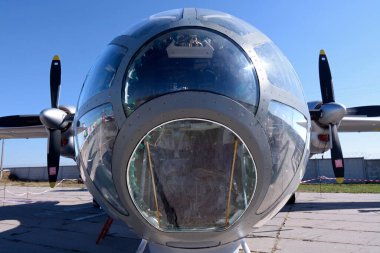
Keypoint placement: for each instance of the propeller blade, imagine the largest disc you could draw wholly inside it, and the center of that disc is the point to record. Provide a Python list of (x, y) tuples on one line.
[(54, 149), (55, 80), (20, 121), (325, 79), (336, 155), (368, 111)]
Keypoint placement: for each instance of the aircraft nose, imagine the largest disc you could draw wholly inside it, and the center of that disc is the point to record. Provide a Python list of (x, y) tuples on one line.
[(185, 161)]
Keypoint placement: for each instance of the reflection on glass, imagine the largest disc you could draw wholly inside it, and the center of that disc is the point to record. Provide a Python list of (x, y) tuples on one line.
[(279, 70), (95, 134), (190, 59), (191, 175), (287, 132), (101, 75)]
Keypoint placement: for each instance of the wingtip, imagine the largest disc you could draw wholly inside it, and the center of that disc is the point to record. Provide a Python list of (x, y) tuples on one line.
[(56, 58), (322, 52), (340, 180), (52, 184)]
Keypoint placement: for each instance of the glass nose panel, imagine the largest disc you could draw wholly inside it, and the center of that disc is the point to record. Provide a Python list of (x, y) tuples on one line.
[(190, 175)]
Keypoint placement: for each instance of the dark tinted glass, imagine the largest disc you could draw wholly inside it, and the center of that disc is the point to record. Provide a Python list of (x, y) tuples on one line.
[(102, 73), (190, 59)]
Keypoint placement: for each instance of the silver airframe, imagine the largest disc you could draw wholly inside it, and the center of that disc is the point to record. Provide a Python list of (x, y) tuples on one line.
[(192, 128)]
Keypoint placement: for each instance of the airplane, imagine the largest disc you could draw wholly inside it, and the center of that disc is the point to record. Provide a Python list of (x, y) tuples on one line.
[(192, 128)]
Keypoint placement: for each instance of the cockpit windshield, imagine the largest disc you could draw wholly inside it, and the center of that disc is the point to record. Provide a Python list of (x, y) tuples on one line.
[(190, 59), (102, 74), (279, 70)]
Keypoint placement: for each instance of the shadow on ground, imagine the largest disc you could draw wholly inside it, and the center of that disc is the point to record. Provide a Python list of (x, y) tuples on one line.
[(46, 226), (319, 206)]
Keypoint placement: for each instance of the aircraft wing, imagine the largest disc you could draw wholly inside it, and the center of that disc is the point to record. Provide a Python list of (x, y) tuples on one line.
[(23, 132), (359, 124)]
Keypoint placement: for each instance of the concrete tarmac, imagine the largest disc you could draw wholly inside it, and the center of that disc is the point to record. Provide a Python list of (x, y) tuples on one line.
[(64, 220)]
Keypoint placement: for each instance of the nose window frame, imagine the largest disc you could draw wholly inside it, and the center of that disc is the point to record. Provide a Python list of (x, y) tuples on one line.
[(161, 206)]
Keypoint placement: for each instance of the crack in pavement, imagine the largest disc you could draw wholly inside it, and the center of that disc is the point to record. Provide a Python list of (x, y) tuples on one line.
[(277, 239)]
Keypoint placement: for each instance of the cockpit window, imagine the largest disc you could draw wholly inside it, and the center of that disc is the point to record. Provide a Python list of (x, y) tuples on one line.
[(101, 75), (190, 59), (279, 70)]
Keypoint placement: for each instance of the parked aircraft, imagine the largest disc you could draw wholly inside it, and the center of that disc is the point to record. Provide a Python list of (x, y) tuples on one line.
[(193, 129)]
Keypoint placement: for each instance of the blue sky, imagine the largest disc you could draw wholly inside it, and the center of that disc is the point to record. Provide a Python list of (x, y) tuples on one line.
[(31, 32)]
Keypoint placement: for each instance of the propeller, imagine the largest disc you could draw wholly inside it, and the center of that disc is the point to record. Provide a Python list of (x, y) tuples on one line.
[(336, 155), (367, 111), (34, 120), (20, 121), (55, 80), (55, 120), (325, 79), (331, 114)]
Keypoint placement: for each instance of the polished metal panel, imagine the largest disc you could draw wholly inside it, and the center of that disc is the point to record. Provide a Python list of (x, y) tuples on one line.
[(287, 132), (95, 136)]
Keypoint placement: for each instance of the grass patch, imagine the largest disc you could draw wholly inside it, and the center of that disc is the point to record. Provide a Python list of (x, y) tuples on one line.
[(340, 188), (40, 184), (10, 179)]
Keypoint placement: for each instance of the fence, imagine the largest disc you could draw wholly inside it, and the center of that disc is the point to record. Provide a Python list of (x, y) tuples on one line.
[(40, 173), (356, 170)]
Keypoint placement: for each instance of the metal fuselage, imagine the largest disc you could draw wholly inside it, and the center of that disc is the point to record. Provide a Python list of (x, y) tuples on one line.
[(242, 152)]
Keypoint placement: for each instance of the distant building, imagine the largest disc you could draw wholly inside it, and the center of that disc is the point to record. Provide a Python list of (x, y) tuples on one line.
[(40, 173), (356, 170)]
